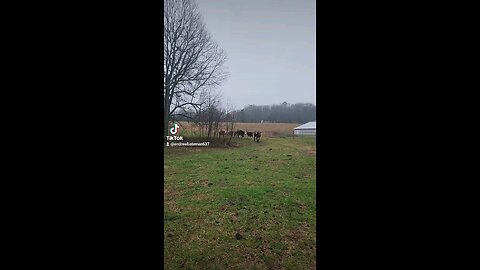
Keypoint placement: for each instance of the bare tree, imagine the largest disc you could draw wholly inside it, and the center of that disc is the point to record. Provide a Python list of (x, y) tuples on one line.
[(216, 112), (230, 119), (193, 62), (207, 115)]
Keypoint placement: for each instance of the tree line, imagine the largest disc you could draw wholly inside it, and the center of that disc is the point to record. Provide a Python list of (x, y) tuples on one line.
[(278, 113)]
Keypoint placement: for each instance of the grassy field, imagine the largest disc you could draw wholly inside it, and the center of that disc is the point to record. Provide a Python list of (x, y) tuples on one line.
[(246, 207)]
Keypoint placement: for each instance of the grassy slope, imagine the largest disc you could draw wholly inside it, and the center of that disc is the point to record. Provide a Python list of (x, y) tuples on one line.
[(255, 190)]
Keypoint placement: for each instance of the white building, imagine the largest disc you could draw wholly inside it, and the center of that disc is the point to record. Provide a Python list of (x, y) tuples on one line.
[(309, 128)]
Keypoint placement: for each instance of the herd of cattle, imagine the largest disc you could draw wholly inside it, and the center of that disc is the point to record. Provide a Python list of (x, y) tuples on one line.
[(240, 133)]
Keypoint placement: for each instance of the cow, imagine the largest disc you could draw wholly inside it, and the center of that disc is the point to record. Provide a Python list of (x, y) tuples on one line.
[(221, 133), (257, 135), (239, 133), (249, 134), (230, 133)]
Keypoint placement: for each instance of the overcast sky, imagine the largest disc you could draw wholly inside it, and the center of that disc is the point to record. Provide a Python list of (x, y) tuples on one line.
[(270, 45)]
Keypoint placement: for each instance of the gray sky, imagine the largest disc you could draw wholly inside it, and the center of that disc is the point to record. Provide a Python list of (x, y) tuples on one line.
[(270, 45)]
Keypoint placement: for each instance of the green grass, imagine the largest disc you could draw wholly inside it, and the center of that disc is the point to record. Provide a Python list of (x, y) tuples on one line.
[(254, 189)]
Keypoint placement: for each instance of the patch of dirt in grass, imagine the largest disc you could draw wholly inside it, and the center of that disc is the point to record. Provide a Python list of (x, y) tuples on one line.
[(202, 197), (301, 207), (296, 237), (199, 183), (252, 259), (192, 183), (170, 192), (258, 256), (171, 205), (234, 217), (278, 162), (206, 183)]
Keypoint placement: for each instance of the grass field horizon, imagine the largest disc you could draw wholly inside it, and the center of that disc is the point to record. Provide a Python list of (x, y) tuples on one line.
[(251, 206)]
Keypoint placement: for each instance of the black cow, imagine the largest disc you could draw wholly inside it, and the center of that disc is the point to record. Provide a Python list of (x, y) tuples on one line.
[(257, 135), (230, 133), (249, 134), (239, 133)]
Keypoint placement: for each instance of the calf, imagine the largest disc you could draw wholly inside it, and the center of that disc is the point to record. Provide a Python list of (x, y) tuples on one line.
[(249, 134), (257, 135), (239, 133), (221, 133), (230, 133)]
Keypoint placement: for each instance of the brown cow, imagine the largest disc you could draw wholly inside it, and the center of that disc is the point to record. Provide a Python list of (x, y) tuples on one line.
[(249, 134), (221, 133), (230, 133)]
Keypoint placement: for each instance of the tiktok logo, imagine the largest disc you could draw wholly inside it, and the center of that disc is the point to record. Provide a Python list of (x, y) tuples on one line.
[(174, 129)]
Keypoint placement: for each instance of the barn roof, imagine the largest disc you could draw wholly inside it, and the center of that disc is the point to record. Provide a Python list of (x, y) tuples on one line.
[(309, 125)]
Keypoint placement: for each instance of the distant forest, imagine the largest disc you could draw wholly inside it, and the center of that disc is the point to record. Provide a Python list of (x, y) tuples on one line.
[(278, 113), (281, 113)]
